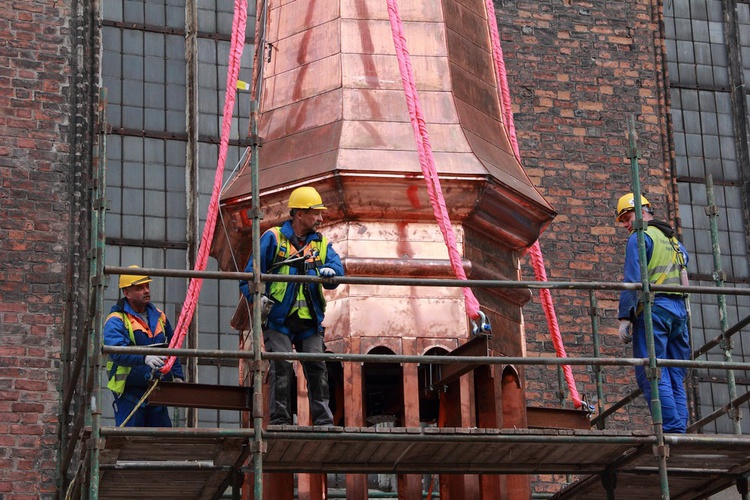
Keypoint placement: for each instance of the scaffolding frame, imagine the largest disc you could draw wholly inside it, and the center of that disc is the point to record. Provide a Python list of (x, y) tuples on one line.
[(94, 432), (80, 478)]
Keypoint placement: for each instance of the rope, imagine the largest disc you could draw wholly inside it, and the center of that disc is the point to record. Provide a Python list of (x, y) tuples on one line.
[(194, 289), (143, 398), (535, 251), (426, 159)]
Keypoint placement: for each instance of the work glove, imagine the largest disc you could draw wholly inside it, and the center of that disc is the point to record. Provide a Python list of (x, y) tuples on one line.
[(265, 307), (155, 362), (624, 332), (327, 272)]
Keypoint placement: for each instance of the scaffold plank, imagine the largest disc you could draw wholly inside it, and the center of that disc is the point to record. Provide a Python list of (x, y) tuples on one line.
[(159, 464)]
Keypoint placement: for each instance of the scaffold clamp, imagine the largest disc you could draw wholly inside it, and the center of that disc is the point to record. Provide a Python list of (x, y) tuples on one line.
[(482, 327)]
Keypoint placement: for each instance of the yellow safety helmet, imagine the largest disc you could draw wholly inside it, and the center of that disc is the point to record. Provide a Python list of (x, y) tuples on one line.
[(127, 280), (627, 203), (306, 197)]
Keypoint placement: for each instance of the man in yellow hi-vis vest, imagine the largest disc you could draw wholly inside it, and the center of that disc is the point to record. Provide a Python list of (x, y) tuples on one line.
[(667, 259), (134, 320), (296, 310)]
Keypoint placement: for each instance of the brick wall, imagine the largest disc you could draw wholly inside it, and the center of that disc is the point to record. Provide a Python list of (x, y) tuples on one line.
[(34, 228), (576, 71)]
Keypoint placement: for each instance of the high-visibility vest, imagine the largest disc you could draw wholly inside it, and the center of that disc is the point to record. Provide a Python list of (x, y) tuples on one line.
[(119, 374), (314, 254), (666, 259)]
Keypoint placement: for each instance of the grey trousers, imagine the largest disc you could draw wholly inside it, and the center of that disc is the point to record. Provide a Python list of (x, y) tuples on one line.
[(281, 376)]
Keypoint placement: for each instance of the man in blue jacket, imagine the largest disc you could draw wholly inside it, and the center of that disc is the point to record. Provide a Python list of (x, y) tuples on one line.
[(296, 310), (134, 320), (666, 259)]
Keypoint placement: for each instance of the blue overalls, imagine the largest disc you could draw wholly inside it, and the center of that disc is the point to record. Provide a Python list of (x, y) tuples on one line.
[(669, 315)]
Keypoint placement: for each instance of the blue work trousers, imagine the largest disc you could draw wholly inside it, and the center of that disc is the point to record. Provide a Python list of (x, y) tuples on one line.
[(671, 341), (146, 416)]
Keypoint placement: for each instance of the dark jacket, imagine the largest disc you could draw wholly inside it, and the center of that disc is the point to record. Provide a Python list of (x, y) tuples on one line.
[(116, 334), (269, 248)]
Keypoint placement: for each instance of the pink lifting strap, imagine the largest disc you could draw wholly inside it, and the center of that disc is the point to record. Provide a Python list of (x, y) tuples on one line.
[(537, 260), (426, 160), (194, 289)]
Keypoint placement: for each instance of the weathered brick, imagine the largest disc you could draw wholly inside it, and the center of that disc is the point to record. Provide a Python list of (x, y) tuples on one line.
[(572, 79), (34, 221)]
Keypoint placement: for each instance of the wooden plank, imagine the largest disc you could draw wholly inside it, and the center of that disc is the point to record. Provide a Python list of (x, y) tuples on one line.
[(465, 451), (197, 482)]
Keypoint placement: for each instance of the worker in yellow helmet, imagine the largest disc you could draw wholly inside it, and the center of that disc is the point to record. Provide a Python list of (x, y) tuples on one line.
[(134, 320), (295, 311), (666, 258)]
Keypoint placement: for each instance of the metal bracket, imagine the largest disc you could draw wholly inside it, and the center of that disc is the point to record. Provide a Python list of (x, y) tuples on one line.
[(712, 210), (256, 447), (661, 450), (587, 407), (647, 297), (609, 480), (726, 344), (742, 485), (653, 372), (437, 388), (261, 365), (101, 204), (254, 212), (734, 414)]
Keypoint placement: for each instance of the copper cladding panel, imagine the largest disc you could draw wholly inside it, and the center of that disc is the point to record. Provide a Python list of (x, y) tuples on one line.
[(393, 312), (334, 116), (333, 103)]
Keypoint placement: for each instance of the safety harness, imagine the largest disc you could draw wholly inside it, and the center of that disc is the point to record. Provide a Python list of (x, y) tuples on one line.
[(665, 254), (311, 256), (118, 374)]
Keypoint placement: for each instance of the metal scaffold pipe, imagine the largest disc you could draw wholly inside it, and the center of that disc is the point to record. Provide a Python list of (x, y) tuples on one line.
[(358, 280), (423, 359), (646, 298), (99, 282), (726, 341)]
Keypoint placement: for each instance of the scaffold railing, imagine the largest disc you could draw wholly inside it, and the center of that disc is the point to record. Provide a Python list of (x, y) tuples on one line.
[(596, 361)]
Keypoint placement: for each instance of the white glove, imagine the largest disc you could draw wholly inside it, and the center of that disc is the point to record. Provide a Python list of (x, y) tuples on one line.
[(263, 302), (155, 362), (327, 272), (265, 307), (624, 332)]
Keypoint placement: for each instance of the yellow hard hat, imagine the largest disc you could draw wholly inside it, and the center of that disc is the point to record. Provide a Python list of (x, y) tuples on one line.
[(127, 280), (306, 197), (626, 203)]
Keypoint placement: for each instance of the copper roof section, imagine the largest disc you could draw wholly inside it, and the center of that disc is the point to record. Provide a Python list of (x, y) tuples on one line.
[(333, 114)]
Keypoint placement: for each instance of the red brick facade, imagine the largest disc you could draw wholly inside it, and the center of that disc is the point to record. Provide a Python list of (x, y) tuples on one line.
[(577, 71), (35, 170)]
